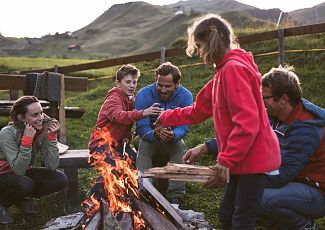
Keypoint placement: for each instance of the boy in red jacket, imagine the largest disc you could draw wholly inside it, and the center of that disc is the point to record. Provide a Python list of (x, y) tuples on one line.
[(117, 114), (248, 147)]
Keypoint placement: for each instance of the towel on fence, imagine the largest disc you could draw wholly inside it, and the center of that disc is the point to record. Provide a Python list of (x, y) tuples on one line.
[(31, 82), (48, 87)]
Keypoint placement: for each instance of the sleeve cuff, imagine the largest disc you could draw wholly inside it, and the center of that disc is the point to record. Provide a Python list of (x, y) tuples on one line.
[(26, 141), (52, 136)]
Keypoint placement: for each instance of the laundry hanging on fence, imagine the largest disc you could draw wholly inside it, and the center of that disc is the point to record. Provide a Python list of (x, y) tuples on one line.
[(44, 86)]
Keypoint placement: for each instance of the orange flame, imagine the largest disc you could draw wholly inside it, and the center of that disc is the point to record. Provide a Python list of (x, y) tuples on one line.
[(119, 180)]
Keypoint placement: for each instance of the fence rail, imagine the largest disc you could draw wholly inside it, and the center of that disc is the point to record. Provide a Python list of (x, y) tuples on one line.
[(270, 35)]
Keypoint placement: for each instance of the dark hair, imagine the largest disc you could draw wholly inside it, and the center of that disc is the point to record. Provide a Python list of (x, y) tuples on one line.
[(217, 35), (283, 81), (20, 108), (168, 68), (126, 70)]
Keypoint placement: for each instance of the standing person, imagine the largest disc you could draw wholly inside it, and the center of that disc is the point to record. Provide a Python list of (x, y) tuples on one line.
[(248, 148), (168, 142), (29, 133), (117, 114)]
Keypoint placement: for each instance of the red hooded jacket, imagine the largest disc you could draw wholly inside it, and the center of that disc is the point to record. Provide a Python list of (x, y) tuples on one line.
[(117, 114), (246, 141)]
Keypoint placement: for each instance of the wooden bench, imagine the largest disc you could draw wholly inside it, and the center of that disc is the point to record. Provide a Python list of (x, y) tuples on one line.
[(70, 161), (15, 82)]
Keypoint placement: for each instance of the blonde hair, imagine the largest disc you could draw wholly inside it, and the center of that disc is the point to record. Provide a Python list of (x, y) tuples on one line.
[(217, 35)]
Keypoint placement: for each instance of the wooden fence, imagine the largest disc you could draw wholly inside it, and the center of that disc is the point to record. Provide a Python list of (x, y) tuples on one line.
[(279, 34)]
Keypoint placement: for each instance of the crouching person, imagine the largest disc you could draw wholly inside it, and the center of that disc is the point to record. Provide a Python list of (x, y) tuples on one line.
[(30, 132)]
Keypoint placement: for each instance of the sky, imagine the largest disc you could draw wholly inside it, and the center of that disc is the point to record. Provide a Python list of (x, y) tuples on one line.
[(36, 18)]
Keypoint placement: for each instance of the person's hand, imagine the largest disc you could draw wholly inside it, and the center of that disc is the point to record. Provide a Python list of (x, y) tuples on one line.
[(158, 124), (192, 155), (166, 134), (152, 110), (29, 131), (220, 178), (53, 126)]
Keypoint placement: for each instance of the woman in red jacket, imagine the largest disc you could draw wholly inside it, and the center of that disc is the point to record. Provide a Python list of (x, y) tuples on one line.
[(248, 147)]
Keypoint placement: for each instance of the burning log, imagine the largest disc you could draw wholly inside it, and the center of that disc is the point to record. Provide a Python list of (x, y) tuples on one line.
[(183, 172), (163, 202), (155, 219)]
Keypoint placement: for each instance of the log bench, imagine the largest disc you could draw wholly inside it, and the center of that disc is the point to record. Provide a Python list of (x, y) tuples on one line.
[(70, 161)]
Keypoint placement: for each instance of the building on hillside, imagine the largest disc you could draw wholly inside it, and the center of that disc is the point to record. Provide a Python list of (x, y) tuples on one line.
[(74, 47)]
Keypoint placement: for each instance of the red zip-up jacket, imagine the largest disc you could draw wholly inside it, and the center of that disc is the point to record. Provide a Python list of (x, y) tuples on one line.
[(246, 141), (117, 114)]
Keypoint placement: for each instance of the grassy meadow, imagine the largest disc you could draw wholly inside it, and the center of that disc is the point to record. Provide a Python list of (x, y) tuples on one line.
[(309, 66)]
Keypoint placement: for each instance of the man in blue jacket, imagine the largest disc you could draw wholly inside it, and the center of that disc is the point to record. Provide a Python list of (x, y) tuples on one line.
[(294, 197), (168, 143)]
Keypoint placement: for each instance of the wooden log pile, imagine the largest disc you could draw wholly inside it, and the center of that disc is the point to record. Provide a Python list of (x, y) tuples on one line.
[(182, 172)]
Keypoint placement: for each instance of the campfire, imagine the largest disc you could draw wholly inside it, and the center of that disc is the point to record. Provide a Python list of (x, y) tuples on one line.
[(123, 199), (120, 197)]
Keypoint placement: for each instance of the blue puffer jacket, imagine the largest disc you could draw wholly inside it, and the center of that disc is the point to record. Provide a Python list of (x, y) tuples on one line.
[(302, 146), (148, 96), (299, 141)]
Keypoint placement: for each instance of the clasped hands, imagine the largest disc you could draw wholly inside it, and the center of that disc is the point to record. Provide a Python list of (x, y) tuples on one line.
[(164, 133)]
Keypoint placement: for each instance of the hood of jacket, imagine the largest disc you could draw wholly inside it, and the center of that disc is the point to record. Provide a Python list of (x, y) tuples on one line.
[(318, 112), (241, 56)]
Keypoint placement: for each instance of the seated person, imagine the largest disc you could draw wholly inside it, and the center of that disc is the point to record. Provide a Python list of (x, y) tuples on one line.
[(29, 133), (295, 197), (117, 114), (154, 145)]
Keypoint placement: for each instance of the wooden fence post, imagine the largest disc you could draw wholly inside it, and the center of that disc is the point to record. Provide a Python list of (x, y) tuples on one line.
[(162, 55), (281, 47)]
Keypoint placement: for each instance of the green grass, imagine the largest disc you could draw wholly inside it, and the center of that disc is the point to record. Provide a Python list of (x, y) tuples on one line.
[(310, 67)]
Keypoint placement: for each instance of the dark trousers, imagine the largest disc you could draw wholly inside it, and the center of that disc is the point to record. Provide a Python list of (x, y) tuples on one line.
[(37, 182), (241, 202)]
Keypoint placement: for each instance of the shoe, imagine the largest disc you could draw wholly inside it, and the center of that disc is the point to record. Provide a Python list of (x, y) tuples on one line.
[(4, 216), (26, 206), (177, 200), (312, 225)]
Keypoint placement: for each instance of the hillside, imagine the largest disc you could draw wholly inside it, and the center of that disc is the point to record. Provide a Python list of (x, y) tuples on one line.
[(215, 6), (312, 15), (118, 33)]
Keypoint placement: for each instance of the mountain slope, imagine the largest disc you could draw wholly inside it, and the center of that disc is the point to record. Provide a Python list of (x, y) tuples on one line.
[(215, 6), (311, 15)]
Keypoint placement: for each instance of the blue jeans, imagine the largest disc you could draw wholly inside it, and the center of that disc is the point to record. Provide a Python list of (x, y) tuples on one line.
[(240, 203), (37, 182), (292, 205)]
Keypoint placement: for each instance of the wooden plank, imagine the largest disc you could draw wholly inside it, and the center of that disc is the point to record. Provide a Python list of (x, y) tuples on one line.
[(302, 30), (76, 157), (181, 172), (72, 189), (163, 202), (63, 138), (258, 37), (11, 102), (155, 219), (94, 223), (19, 82), (70, 112)]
